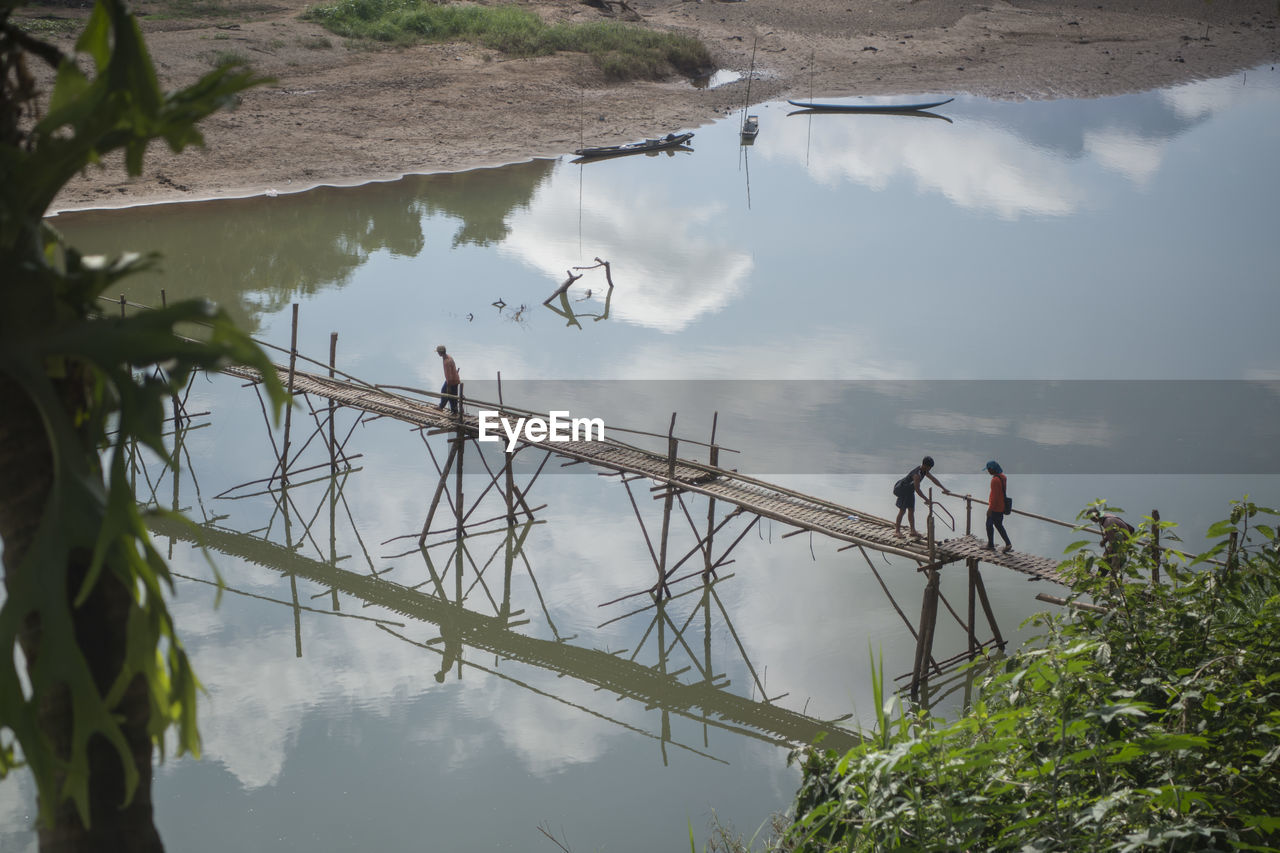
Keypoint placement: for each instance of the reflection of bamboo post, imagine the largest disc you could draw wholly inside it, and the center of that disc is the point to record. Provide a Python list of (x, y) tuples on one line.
[(333, 528), (293, 578), (968, 515), (288, 410), (662, 660), (1155, 546), (511, 487)]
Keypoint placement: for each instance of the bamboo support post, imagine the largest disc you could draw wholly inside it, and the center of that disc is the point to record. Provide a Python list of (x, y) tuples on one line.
[(440, 487), (288, 410), (672, 445), (933, 549), (333, 442), (986, 606), (1155, 546), (714, 458), (460, 528), (924, 643), (973, 600)]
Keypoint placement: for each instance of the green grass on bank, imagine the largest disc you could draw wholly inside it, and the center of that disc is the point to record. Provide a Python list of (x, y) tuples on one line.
[(622, 51)]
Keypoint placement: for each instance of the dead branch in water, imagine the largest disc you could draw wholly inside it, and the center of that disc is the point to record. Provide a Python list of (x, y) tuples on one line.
[(559, 291), (608, 275)]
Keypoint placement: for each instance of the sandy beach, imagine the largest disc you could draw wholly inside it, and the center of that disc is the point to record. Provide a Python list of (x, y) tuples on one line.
[(339, 115)]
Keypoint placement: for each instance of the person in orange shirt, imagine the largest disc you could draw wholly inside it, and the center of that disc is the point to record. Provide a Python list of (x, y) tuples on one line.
[(452, 379), (996, 507)]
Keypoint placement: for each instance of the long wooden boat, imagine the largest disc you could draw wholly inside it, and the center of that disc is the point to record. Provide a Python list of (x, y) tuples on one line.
[(671, 140), (868, 108)]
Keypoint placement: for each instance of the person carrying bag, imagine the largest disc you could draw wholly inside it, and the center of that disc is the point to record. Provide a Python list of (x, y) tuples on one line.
[(999, 504)]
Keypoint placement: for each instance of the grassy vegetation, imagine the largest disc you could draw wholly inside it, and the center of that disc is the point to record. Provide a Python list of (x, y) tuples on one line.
[(622, 51), (48, 26), (176, 10), (1151, 725), (222, 58)]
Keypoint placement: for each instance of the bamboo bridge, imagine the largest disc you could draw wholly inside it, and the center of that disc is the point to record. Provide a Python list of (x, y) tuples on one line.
[(676, 476), (747, 494)]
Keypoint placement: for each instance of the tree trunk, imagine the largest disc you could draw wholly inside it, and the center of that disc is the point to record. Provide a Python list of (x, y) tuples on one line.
[(26, 475)]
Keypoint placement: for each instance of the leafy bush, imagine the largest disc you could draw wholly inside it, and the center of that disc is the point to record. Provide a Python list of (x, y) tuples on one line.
[(621, 51), (1152, 725)]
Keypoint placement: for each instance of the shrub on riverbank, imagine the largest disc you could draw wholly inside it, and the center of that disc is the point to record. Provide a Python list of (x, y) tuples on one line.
[(622, 51), (1154, 725)]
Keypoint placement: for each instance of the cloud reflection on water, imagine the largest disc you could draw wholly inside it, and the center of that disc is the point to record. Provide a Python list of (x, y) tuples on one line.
[(676, 268)]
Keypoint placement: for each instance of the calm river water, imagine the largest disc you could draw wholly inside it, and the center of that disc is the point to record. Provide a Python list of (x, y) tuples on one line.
[(1083, 290)]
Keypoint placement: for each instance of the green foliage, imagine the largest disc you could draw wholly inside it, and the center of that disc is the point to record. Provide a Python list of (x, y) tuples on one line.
[(96, 387), (622, 51), (1152, 725)]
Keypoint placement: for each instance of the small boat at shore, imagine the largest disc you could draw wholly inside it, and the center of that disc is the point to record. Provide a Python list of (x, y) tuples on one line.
[(868, 108), (750, 129), (663, 143)]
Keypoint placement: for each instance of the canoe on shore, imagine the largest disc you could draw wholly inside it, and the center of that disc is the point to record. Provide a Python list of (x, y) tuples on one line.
[(671, 140), (868, 108)]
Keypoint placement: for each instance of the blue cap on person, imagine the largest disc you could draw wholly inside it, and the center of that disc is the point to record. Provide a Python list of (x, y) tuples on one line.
[(994, 467)]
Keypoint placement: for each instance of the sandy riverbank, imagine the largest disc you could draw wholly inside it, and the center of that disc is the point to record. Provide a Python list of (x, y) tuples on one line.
[(338, 115)]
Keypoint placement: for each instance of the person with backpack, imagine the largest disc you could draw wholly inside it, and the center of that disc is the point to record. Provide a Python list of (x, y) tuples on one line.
[(906, 489), (1115, 530), (998, 506)]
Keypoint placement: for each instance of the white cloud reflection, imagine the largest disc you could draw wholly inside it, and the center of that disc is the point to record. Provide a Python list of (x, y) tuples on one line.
[(1132, 156), (974, 164), (1203, 98), (677, 268), (984, 166)]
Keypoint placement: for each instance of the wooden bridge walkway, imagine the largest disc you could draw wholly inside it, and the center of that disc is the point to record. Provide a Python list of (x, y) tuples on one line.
[(768, 500)]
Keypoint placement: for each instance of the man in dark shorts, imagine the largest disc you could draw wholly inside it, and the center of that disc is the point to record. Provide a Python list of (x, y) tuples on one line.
[(906, 489), (452, 379)]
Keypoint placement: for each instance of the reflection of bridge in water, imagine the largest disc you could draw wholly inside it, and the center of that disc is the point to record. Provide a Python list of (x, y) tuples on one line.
[(682, 680), (705, 700)]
